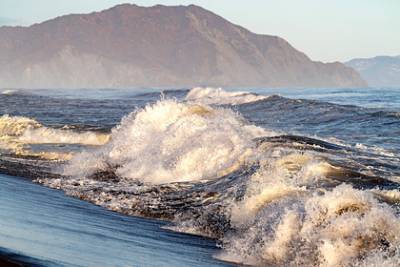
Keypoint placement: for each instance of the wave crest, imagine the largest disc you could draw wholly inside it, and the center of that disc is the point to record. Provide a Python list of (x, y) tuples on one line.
[(16, 132), (217, 96), (9, 92), (174, 142), (16, 125)]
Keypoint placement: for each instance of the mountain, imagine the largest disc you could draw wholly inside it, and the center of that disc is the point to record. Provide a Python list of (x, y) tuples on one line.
[(159, 46), (381, 71)]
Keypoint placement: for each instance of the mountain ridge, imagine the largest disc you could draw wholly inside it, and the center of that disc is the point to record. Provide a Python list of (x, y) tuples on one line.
[(378, 71), (159, 46)]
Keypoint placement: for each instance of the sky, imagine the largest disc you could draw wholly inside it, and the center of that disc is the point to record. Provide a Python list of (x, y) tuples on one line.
[(326, 30)]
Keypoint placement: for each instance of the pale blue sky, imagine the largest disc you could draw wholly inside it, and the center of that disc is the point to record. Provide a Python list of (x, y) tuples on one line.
[(326, 30)]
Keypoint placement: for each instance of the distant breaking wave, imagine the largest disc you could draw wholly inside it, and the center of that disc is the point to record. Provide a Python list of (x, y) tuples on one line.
[(9, 92), (16, 132), (217, 96)]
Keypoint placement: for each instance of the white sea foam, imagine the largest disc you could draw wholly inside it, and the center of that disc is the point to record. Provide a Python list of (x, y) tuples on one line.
[(286, 221), (44, 135), (174, 142), (9, 92), (16, 125), (217, 96), (16, 132)]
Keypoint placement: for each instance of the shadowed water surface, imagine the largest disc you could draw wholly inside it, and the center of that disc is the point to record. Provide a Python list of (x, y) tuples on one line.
[(42, 226)]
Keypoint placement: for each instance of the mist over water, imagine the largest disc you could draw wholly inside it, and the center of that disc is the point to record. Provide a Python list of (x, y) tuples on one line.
[(304, 178)]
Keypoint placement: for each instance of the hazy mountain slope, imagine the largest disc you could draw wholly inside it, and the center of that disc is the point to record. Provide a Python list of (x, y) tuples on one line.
[(132, 46), (381, 71)]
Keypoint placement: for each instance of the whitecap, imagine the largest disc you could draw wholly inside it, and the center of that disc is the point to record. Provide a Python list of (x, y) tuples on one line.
[(218, 96)]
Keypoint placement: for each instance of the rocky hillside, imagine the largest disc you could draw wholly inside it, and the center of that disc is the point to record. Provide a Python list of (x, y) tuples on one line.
[(159, 46)]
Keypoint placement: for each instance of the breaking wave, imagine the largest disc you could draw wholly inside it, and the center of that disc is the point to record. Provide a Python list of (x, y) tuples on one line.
[(287, 218), (9, 92), (217, 96), (173, 142), (16, 132)]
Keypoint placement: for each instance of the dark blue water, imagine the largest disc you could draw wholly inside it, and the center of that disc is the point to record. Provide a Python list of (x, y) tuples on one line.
[(383, 98), (42, 226)]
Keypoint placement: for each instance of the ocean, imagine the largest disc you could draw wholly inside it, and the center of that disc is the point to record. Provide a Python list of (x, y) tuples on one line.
[(201, 177)]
